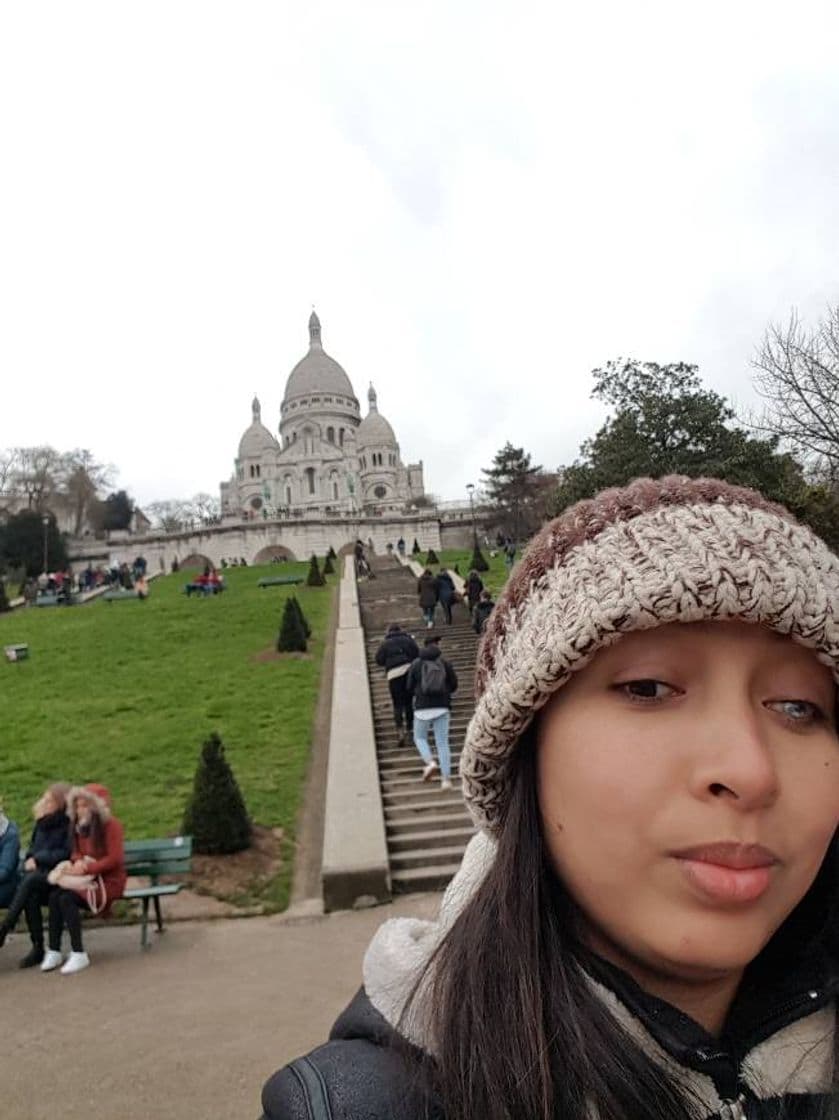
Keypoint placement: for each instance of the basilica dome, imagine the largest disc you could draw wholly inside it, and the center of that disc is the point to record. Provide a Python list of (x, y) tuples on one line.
[(256, 438), (374, 430), (317, 372)]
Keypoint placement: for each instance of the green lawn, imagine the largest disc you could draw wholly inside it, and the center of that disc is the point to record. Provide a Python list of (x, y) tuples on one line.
[(124, 693), (494, 579)]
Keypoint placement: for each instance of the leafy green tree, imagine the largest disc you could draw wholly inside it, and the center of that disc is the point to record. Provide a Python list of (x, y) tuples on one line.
[(22, 543), (314, 577), (666, 422), (515, 488), (292, 635), (116, 511), (216, 817)]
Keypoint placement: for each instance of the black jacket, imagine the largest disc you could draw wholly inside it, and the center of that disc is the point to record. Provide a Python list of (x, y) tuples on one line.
[(398, 649), (50, 841), (413, 684), (445, 587), (363, 1076), (427, 590)]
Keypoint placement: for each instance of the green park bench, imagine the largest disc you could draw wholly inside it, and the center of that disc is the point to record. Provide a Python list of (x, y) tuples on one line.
[(122, 593), (49, 599), (279, 581), (150, 859), (16, 652)]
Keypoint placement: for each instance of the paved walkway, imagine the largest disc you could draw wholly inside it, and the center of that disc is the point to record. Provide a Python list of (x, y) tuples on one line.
[(190, 1029)]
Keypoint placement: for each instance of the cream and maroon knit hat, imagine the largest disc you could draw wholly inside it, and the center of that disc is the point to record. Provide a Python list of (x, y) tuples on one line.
[(671, 550)]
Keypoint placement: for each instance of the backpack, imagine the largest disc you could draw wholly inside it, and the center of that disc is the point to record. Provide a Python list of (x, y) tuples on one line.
[(432, 676)]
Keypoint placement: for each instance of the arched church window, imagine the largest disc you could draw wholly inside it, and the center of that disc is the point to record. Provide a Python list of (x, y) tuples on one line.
[(258, 470), (310, 479), (330, 434), (334, 488), (341, 436)]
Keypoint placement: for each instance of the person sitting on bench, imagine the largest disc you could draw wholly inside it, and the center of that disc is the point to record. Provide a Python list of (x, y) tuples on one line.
[(9, 858)]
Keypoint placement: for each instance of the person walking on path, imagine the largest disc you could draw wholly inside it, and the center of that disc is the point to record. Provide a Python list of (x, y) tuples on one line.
[(428, 594), (9, 858), (395, 655), (97, 850), (48, 846), (482, 612), (645, 924), (431, 682), (473, 587), (446, 592)]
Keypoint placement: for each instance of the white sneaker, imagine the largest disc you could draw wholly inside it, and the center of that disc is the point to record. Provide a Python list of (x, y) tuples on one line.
[(75, 963), (445, 784), (428, 772), (52, 959)]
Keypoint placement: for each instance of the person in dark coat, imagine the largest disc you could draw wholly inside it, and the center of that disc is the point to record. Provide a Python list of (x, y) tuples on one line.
[(9, 858), (427, 592), (473, 588), (446, 592), (645, 923), (431, 682), (395, 655), (48, 846), (482, 612)]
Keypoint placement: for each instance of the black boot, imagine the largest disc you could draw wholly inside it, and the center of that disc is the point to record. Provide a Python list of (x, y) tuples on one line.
[(33, 957)]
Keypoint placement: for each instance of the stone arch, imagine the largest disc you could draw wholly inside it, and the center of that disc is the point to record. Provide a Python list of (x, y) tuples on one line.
[(196, 560), (273, 552)]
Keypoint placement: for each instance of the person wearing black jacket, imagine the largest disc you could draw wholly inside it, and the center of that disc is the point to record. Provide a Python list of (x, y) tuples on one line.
[(446, 592), (395, 655), (431, 682), (48, 846)]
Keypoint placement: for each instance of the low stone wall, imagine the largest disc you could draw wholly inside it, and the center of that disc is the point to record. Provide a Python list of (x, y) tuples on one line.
[(355, 866)]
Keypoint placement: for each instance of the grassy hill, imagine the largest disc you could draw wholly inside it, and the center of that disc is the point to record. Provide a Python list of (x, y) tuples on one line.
[(124, 694)]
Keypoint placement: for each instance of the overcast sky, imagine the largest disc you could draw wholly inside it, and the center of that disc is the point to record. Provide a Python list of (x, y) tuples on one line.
[(483, 201)]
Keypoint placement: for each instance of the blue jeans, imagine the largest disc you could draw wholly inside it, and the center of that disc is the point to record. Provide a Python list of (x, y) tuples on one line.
[(428, 614), (440, 727)]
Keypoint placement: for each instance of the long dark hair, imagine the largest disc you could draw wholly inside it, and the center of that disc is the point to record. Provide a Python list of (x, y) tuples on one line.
[(516, 1027)]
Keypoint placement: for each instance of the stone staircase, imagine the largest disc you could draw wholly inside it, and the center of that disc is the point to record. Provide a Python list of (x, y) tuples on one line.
[(427, 830)]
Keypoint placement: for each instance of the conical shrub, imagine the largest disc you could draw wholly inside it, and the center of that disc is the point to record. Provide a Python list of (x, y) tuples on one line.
[(416, 550), (4, 598), (314, 578), (332, 554), (431, 558), (216, 817), (478, 563), (304, 622), (328, 567), (292, 635)]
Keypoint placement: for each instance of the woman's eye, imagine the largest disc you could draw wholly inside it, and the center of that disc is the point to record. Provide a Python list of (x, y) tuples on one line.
[(798, 712), (647, 690)]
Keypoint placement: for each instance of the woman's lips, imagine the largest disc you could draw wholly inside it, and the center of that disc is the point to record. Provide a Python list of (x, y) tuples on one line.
[(728, 872)]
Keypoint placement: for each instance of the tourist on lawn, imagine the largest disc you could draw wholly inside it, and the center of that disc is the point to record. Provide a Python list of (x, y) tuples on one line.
[(395, 655), (446, 593), (473, 587), (96, 839), (48, 846), (9, 858), (482, 612), (645, 924), (431, 682), (427, 592)]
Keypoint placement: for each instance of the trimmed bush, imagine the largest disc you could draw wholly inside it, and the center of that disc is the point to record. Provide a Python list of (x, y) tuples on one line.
[(416, 550), (4, 599), (298, 610), (292, 635), (332, 554), (478, 562), (328, 567), (431, 558), (216, 817), (314, 578)]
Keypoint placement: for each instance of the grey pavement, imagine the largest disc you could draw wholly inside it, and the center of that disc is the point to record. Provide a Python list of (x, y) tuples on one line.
[(190, 1028)]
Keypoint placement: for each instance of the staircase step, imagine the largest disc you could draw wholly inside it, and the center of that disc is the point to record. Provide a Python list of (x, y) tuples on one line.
[(410, 782), (423, 878), (429, 822), (442, 804), (426, 857), (454, 838)]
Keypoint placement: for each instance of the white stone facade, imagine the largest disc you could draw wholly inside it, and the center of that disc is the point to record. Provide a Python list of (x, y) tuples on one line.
[(328, 459)]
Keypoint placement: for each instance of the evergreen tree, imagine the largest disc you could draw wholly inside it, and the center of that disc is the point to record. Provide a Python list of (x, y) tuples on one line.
[(22, 543), (431, 558), (328, 566), (416, 550), (304, 622), (216, 817), (515, 488), (314, 578), (292, 635), (332, 554), (478, 563)]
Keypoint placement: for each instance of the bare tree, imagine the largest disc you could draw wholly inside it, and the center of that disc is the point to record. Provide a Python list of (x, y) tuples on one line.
[(8, 467), (798, 377), (36, 475), (205, 508), (83, 479), (170, 514)]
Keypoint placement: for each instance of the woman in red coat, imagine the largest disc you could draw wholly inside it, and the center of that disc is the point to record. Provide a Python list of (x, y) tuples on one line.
[(96, 839)]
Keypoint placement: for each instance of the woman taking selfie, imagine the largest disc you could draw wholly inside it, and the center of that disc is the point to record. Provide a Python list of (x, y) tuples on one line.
[(644, 926)]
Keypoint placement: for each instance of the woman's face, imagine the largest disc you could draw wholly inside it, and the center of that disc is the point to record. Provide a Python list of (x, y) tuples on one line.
[(49, 804), (84, 807), (689, 789)]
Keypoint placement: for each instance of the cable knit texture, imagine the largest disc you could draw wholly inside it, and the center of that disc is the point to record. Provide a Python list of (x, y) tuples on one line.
[(653, 552)]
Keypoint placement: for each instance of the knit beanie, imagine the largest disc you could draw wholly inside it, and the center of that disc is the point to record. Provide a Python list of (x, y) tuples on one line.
[(653, 552)]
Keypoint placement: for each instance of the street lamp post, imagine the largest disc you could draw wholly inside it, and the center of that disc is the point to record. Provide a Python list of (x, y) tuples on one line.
[(45, 521), (470, 486)]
